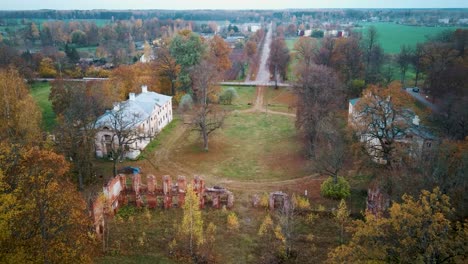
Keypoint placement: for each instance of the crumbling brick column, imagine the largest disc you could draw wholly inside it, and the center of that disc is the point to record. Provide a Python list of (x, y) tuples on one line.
[(215, 199), (151, 198), (151, 183), (199, 187), (230, 199), (167, 191), (182, 189)]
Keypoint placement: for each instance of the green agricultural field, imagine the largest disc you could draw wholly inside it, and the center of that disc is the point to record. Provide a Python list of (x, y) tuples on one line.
[(90, 49), (40, 92), (290, 43), (392, 36)]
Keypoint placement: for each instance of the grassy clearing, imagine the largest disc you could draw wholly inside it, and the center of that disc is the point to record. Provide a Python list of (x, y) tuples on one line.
[(392, 36), (161, 137), (248, 147), (89, 49), (281, 100), (40, 92), (246, 96)]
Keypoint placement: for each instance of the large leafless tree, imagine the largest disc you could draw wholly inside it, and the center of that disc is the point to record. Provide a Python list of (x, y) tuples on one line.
[(207, 117), (279, 59), (320, 93), (124, 127), (78, 106), (373, 55)]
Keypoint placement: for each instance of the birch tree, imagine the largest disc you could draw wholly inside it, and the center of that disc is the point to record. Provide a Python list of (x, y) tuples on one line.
[(192, 222)]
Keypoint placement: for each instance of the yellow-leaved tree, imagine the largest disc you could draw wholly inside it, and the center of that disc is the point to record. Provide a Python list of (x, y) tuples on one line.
[(192, 221), (416, 231), (19, 115), (44, 214)]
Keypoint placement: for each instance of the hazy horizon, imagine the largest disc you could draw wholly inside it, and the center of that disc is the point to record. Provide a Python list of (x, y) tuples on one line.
[(235, 5)]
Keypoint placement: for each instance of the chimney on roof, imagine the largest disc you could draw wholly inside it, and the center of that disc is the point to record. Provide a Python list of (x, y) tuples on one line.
[(416, 120), (144, 89), (131, 96)]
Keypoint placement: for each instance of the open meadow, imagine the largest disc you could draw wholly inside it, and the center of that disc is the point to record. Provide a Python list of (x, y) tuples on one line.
[(392, 36), (40, 92)]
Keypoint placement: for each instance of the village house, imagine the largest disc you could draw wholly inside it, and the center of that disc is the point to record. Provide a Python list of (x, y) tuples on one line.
[(144, 115), (408, 132)]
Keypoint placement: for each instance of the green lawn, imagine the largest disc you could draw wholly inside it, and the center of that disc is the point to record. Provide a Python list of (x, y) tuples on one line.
[(392, 36), (90, 49), (40, 92), (247, 147), (161, 137), (282, 99), (246, 96)]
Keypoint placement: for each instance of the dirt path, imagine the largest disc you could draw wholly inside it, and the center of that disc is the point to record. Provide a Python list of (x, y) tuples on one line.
[(268, 184), (259, 105)]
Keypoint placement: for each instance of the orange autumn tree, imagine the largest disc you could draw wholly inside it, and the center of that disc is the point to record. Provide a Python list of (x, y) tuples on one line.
[(129, 79), (47, 221), (219, 52), (167, 69)]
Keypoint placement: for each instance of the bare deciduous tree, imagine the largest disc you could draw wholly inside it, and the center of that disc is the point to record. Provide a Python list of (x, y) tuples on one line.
[(123, 125), (373, 54), (207, 117), (331, 149), (320, 93), (76, 131), (382, 117), (404, 60), (279, 59)]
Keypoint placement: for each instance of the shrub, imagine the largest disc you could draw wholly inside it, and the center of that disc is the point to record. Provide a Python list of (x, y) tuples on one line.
[(300, 203), (228, 95), (186, 103), (232, 221), (338, 191), (265, 200), (126, 212)]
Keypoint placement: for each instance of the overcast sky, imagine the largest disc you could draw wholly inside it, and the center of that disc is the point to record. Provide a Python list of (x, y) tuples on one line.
[(225, 4)]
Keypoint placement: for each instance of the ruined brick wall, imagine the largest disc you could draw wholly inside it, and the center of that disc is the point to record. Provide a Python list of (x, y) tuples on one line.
[(128, 189)]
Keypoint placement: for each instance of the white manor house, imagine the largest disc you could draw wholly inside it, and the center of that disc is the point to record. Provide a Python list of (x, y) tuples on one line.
[(142, 117)]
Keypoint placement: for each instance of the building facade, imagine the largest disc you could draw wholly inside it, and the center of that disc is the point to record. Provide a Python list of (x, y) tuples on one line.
[(135, 121)]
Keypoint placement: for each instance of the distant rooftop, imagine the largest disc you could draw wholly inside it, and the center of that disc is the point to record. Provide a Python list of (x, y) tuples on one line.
[(354, 101), (136, 109)]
